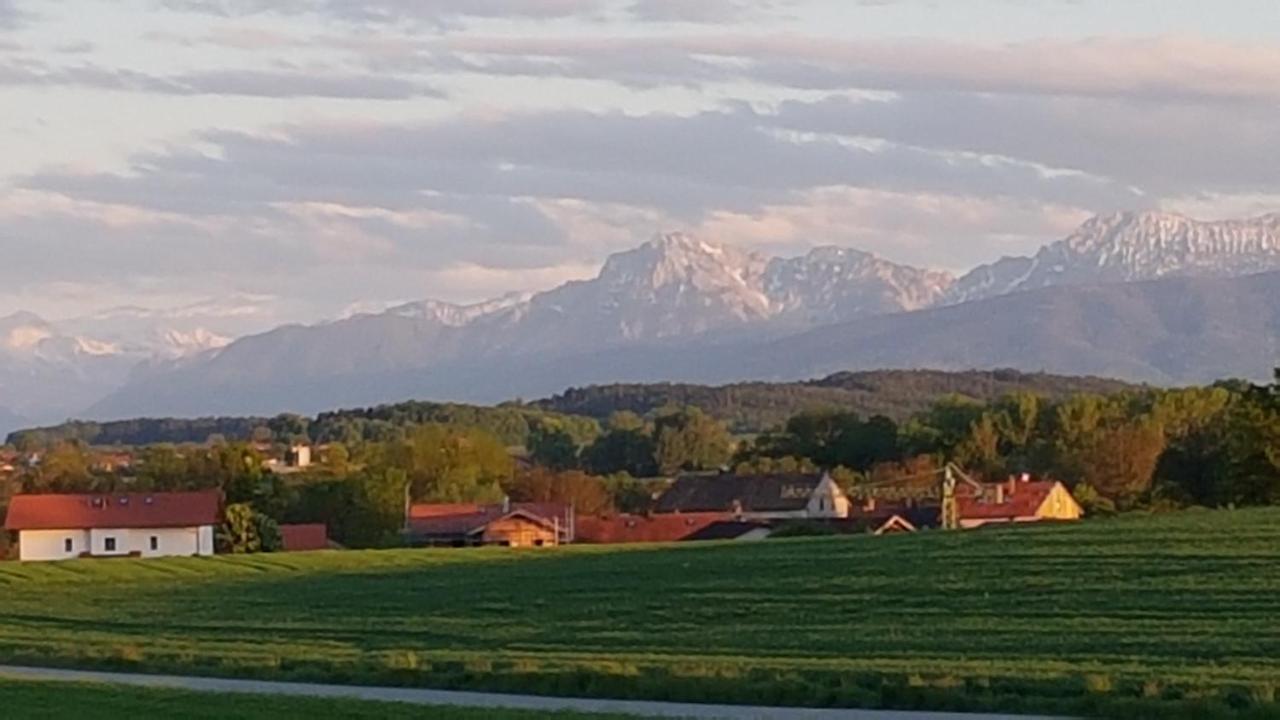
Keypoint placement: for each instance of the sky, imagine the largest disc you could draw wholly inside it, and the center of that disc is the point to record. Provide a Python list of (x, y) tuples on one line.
[(293, 160)]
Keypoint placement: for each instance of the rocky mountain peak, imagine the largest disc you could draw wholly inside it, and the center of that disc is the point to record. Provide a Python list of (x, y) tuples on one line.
[(1132, 246)]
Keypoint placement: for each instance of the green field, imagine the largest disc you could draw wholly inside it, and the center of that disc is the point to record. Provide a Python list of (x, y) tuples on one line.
[(62, 701), (1180, 612)]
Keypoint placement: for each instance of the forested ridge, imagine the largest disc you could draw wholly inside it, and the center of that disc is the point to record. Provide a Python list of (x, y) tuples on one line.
[(746, 408), (758, 406)]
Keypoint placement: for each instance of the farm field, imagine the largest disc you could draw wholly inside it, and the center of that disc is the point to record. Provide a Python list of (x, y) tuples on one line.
[(60, 701), (1140, 617)]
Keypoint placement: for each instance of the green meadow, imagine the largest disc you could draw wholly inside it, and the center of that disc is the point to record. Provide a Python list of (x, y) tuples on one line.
[(1171, 615)]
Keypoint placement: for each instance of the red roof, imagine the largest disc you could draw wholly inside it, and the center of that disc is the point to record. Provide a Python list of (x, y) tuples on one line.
[(464, 518), (119, 510), (301, 538), (443, 509), (615, 529), (469, 523), (1021, 500)]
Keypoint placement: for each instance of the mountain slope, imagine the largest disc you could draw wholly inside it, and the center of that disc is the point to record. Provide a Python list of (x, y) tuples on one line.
[(1171, 331), (671, 290), (664, 309), (1126, 247), (1176, 330)]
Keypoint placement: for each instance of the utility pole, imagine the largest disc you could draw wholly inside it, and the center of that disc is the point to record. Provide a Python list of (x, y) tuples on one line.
[(950, 508)]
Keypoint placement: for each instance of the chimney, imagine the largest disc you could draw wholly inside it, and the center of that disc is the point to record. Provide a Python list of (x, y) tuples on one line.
[(1013, 485), (999, 493), (506, 504)]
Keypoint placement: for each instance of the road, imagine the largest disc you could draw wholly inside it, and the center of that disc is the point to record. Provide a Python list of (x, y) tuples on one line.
[(441, 698)]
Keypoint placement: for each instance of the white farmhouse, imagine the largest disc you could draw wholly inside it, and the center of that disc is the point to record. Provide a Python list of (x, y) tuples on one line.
[(62, 527)]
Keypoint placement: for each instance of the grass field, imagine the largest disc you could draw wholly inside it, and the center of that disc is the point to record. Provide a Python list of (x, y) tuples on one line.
[(61, 701), (1177, 614)]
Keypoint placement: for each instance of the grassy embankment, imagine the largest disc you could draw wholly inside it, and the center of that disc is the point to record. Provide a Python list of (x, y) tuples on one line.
[(1176, 614)]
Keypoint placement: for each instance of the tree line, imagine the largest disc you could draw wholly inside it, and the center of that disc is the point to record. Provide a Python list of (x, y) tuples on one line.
[(1143, 448)]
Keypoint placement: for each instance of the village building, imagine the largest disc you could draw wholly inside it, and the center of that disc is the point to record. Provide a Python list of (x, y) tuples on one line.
[(757, 497), (618, 529), (304, 537), (506, 524), (1018, 500), (63, 527)]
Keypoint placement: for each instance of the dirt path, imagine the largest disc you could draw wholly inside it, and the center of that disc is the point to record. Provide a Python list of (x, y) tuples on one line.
[(440, 698)]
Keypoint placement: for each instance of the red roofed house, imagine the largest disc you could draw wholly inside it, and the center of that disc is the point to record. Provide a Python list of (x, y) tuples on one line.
[(507, 524), (62, 527), (304, 538), (1019, 500), (616, 529)]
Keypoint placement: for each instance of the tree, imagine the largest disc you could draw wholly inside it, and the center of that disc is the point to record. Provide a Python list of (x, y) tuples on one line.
[(1120, 462), (980, 451), (443, 464), (689, 439), (628, 450), (586, 494), (65, 467), (245, 530), (337, 459), (552, 446), (1017, 417), (630, 495)]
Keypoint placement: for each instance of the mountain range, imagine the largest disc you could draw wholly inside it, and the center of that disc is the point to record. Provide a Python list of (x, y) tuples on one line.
[(1148, 297)]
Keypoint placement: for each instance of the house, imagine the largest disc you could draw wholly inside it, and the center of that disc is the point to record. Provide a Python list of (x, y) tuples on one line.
[(618, 529), (62, 527), (506, 524), (756, 497), (1018, 500), (736, 529), (298, 456), (304, 538)]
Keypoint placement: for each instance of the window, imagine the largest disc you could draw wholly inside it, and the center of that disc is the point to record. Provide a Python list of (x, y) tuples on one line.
[(68, 545), (109, 544), (155, 543)]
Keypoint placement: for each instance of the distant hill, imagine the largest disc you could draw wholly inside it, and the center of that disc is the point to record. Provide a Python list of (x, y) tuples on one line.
[(509, 423), (746, 407), (756, 406)]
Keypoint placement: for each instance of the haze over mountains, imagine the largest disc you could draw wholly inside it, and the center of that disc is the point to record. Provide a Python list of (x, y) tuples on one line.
[(682, 308)]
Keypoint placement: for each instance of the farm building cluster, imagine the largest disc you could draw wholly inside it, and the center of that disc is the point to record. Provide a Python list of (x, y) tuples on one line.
[(693, 507)]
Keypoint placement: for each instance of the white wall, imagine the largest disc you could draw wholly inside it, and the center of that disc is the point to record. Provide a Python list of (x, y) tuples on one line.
[(50, 544), (828, 500)]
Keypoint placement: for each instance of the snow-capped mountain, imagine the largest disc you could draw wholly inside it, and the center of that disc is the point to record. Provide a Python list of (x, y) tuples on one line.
[(659, 311), (47, 374), (50, 370), (454, 315), (678, 286), (1126, 247)]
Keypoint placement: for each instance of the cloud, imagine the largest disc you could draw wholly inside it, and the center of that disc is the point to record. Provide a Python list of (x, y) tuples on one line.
[(1157, 68), (701, 11), (1164, 148), (250, 83), (10, 15), (434, 12), (735, 159)]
